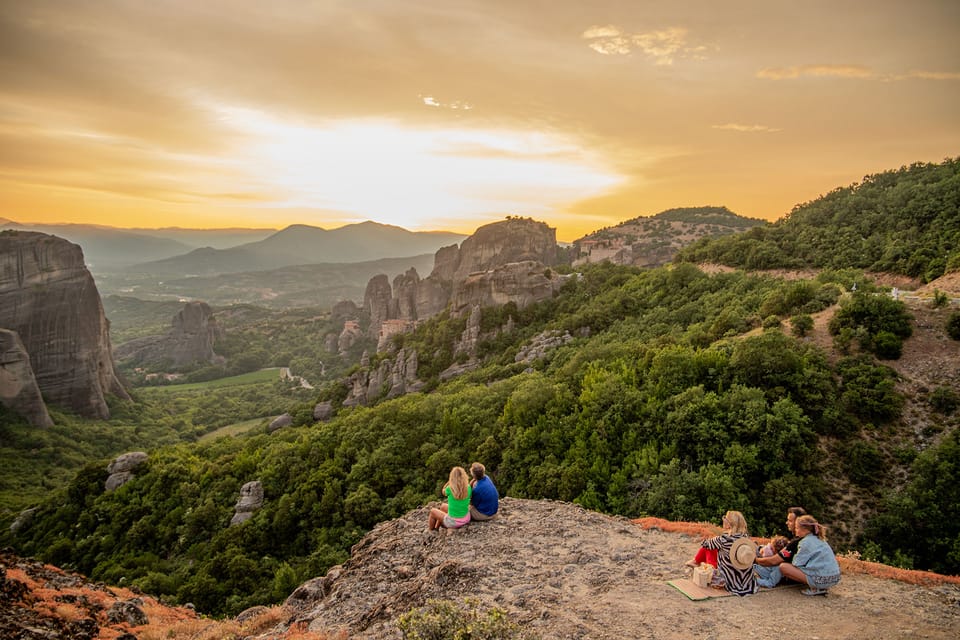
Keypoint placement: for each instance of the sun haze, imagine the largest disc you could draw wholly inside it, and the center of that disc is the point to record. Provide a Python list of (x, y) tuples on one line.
[(432, 114)]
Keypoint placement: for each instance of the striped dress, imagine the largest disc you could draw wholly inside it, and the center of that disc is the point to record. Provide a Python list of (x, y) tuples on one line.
[(741, 582)]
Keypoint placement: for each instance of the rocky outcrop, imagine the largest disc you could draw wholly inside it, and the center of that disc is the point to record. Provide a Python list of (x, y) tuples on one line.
[(561, 572), (502, 262), (49, 298), (251, 499), (522, 283), (393, 377), (194, 332), (500, 243), (122, 468), (18, 386)]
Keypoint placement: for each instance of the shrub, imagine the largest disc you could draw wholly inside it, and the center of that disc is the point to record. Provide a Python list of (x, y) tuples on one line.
[(945, 400), (802, 324), (446, 620), (940, 299), (887, 346), (771, 322), (953, 325)]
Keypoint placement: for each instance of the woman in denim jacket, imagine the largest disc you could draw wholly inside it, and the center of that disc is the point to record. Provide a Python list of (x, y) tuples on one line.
[(815, 563)]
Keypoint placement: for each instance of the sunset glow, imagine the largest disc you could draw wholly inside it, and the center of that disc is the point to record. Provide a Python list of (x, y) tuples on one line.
[(438, 115)]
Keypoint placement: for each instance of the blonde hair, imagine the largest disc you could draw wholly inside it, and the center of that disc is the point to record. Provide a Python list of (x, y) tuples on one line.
[(810, 523), (459, 483), (736, 522)]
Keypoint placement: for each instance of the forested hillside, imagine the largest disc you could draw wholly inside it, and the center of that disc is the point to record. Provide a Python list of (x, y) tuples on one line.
[(905, 221), (675, 393), (660, 406)]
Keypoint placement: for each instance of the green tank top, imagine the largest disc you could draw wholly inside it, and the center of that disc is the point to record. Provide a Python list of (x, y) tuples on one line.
[(457, 508)]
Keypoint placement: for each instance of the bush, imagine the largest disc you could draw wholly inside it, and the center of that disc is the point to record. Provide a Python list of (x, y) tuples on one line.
[(945, 400), (940, 299), (801, 324), (953, 325), (446, 620), (771, 322), (887, 346)]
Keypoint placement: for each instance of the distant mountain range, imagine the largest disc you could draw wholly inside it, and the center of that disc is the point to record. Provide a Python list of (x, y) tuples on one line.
[(175, 251), (302, 244), (112, 248)]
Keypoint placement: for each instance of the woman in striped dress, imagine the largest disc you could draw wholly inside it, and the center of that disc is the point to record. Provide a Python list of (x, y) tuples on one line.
[(736, 580)]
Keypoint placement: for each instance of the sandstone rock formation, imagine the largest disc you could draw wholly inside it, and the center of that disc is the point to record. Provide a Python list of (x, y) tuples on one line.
[(194, 332), (502, 262), (122, 467), (251, 499), (49, 298), (562, 572), (18, 387)]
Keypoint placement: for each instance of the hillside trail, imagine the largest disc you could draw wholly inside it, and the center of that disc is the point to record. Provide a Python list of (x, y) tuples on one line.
[(563, 572)]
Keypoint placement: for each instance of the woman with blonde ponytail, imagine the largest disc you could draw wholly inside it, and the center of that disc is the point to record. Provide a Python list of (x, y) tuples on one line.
[(815, 563)]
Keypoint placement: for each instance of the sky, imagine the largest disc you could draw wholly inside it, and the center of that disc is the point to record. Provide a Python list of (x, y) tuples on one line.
[(447, 114)]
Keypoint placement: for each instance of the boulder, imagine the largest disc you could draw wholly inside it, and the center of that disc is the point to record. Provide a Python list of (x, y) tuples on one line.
[(122, 468), (23, 520), (323, 411), (127, 462), (251, 499), (18, 386), (49, 298), (129, 612), (280, 422)]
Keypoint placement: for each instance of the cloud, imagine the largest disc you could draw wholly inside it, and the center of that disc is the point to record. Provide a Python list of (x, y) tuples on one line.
[(933, 75), (817, 71), (430, 101), (663, 45), (746, 128), (850, 71)]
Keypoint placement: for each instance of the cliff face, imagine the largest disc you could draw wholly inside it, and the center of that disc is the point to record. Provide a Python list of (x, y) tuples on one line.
[(501, 262), (18, 386), (49, 298), (500, 243)]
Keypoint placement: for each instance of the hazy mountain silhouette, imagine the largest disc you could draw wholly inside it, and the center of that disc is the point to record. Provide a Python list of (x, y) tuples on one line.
[(108, 248), (303, 244)]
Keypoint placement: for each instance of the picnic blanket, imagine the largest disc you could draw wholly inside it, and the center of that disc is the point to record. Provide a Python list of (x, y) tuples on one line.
[(687, 587)]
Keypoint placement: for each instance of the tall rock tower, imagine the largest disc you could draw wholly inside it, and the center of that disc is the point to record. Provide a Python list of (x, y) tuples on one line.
[(48, 297)]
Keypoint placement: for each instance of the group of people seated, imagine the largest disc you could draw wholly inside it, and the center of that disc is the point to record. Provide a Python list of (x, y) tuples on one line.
[(742, 569), (468, 498)]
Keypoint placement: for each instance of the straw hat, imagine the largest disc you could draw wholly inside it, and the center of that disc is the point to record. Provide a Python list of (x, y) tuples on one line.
[(743, 553)]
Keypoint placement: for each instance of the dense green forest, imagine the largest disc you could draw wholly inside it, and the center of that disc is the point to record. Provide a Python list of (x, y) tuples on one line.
[(680, 394), (905, 221)]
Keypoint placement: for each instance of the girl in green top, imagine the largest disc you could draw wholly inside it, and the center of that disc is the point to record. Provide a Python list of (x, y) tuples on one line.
[(456, 512)]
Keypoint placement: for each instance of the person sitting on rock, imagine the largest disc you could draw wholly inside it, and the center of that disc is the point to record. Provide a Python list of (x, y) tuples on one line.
[(456, 513), (485, 501), (736, 553), (815, 563), (767, 568)]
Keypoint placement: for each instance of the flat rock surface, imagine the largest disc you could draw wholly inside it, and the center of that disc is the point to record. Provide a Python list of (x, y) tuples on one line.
[(561, 571)]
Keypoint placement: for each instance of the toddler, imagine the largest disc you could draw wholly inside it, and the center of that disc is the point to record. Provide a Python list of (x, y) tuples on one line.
[(773, 547)]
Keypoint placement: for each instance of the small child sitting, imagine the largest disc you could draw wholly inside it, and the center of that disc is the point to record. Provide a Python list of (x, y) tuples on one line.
[(773, 547)]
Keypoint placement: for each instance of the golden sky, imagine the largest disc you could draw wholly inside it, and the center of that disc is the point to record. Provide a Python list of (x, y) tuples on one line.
[(447, 114)]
